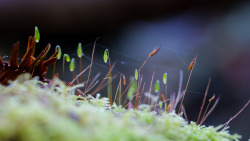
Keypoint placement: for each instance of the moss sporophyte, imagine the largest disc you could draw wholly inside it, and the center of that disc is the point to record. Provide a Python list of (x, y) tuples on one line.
[(35, 108)]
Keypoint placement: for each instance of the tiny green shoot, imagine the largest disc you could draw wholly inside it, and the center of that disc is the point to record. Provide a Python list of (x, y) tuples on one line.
[(105, 59), (80, 54)]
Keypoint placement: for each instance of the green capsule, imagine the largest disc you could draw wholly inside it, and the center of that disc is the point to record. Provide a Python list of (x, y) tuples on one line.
[(79, 50), (136, 74), (165, 78), (157, 86), (72, 64), (37, 34), (106, 56), (66, 56), (59, 52)]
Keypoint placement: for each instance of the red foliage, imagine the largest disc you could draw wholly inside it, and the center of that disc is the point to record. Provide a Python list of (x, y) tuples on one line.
[(29, 64)]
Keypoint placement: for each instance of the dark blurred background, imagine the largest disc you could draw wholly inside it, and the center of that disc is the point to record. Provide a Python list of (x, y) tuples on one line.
[(219, 30)]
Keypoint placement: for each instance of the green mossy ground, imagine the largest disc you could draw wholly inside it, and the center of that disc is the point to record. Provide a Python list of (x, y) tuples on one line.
[(29, 112)]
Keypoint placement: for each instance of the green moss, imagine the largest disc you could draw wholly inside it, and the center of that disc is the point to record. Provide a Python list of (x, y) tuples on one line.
[(29, 112)]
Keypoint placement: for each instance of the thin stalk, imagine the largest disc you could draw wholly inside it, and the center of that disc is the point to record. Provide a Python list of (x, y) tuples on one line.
[(93, 81), (54, 69), (150, 88), (133, 79), (210, 111), (185, 89), (110, 74), (204, 100), (125, 100), (150, 55), (91, 63), (166, 96), (131, 99), (179, 90), (155, 107), (120, 93), (205, 111), (118, 87), (80, 78), (161, 102), (92, 86), (74, 74), (184, 112), (81, 93), (101, 85), (226, 124), (138, 91), (67, 58), (210, 100), (63, 68), (118, 90), (34, 48), (143, 64), (166, 92), (163, 99), (141, 92)]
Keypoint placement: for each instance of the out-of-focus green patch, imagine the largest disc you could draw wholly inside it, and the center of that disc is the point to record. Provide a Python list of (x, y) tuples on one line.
[(157, 86), (132, 89)]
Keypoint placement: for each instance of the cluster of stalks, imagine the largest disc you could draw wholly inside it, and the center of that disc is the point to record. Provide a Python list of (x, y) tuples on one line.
[(38, 67)]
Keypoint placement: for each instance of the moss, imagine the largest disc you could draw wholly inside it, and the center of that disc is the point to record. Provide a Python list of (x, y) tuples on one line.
[(33, 111)]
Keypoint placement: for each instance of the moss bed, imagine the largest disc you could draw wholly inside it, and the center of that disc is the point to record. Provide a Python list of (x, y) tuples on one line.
[(33, 111)]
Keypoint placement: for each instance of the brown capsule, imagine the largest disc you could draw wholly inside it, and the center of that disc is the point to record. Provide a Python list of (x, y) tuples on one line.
[(154, 52), (124, 79), (162, 97), (192, 62), (211, 99)]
